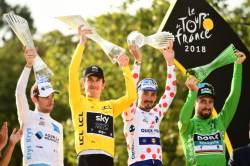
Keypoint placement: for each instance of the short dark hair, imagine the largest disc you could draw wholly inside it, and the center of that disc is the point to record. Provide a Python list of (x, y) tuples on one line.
[(34, 92)]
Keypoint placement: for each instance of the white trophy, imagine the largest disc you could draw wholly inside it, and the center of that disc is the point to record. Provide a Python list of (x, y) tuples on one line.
[(111, 50), (21, 28), (158, 40)]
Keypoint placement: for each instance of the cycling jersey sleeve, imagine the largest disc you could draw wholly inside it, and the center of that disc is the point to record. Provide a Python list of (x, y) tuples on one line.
[(230, 106), (21, 98), (74, 83), (169, 93), (187, 111), (129, 113), (124, 102)]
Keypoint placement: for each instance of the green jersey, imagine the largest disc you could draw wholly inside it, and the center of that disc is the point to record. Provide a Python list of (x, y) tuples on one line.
[(203, 140)]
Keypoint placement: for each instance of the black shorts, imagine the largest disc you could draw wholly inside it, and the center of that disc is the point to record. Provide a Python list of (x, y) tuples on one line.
[(95, 160)]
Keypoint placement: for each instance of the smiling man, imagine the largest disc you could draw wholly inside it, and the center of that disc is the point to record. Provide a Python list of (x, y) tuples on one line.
[(142, 120), (93, 119), (42, 140), (203, 135)]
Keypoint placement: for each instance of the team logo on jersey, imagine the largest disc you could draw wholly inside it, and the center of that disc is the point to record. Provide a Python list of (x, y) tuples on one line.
[(149, 141), (38, 146), (39, 135), (132, 128), (150, 131), (41, 123), (102, 118), (100, 124), (28, 140), (41, 118), (133, 150), (210, 143), (51, 137), (55, 128), (156, 119), (81, 131), (106, 107)]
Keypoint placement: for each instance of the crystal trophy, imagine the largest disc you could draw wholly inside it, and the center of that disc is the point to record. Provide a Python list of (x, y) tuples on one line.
[(158, 40), (111, 50), (21, 28), (226, 57)]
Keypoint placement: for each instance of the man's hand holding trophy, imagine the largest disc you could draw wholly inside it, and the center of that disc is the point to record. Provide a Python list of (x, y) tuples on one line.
[(111, 50), (21, 28)]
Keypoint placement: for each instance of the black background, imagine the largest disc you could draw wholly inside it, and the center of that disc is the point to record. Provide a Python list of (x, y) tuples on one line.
[(223, 35)]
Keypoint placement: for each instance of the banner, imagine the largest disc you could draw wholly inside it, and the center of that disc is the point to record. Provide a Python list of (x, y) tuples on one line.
[(201, 34)]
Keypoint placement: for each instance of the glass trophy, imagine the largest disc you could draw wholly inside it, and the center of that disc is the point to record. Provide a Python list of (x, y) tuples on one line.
[(226, 57), (158, 40), (111, 50), (21, 28)]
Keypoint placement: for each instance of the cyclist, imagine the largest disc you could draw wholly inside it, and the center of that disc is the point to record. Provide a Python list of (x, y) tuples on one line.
[(42, 140), (92, 118), (142, 121), (203, 136)]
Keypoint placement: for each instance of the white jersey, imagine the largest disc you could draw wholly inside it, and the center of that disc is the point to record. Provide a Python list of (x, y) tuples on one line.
[(42, 141), (141, 128)]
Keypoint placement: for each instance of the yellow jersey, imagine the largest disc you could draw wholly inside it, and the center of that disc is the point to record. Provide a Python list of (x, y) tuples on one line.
[(93, 119)]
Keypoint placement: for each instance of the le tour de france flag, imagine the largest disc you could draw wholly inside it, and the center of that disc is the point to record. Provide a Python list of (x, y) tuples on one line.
[(201, 34)]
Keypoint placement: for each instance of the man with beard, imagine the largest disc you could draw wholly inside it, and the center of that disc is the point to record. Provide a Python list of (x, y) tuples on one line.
[(203, 136), (93, 119), (142, 121), (42, 140)]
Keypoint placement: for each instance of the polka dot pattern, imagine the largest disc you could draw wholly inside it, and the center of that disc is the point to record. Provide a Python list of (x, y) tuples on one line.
[(165, 105), (135, 75), (142, 156), (148, 122)]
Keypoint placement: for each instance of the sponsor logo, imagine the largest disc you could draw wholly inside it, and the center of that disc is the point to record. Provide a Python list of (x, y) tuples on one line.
[(51, 137), (132, 128), (150, 130), (39, 135), (101, 124), (156, 119), (102, 118), (208, 137), (211, 143), (133, 150), (55, 128), (40, 147), (149, 141), (106, 107), (28, 139), (41, 123), (81, 132)]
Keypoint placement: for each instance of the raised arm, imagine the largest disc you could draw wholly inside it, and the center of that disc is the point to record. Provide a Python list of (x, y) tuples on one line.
[(134, 50), (231, 103), (21, 98), (3, 135), (124, 102), (188, 107), (14, 138), (170, 87), (74, 83)]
